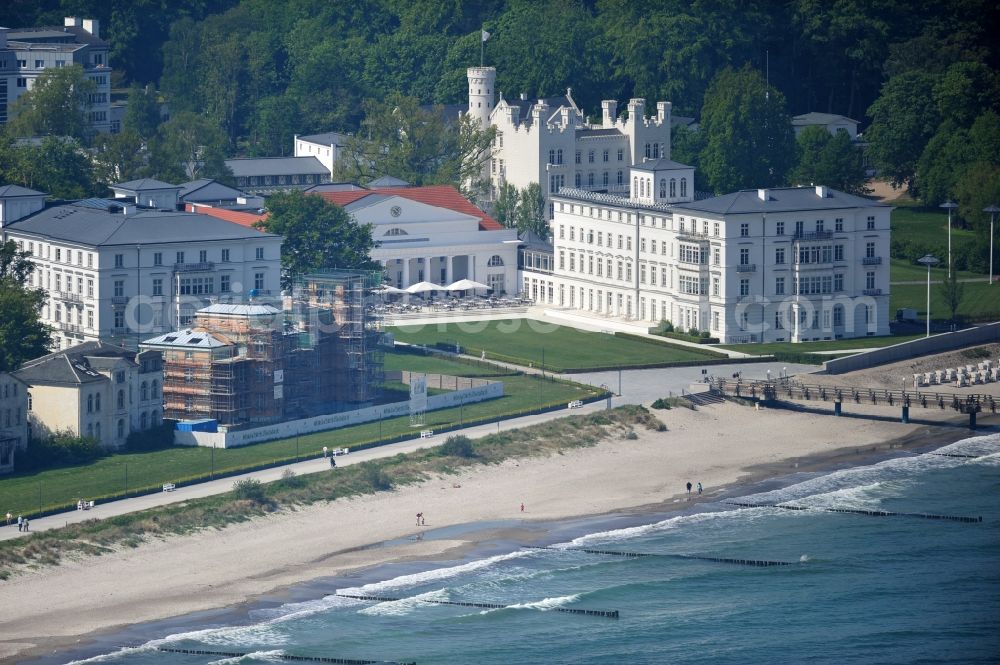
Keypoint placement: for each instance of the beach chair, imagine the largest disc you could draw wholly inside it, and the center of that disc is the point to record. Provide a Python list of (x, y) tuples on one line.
[(969, 369), (916, 381), (949, 375), (927, 379), (962, 381), (938, 375)]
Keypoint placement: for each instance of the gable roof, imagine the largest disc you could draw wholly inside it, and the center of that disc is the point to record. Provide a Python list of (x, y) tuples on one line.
[(191, 338), (206, 189), (258, 166), (88, 223), (781, 199), (12, 191), (387, 181), (442, 196), (75, 365), (325, 138), (241, 217), (143, 184)]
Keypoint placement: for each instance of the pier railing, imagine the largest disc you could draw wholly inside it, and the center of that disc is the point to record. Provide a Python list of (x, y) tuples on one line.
[(788, 390)]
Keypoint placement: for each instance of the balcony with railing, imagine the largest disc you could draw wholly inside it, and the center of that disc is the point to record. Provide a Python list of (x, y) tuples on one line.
[(204, 266), (746, 267), (68, 297), (813, 235), (871, 261), (69, 327), (872, 292), (692, 236), (119, 300)]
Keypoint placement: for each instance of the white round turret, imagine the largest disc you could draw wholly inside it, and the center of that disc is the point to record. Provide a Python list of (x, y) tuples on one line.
[(482, 81)]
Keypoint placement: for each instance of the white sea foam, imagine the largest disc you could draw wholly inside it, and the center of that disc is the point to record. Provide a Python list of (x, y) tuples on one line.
[(274, 656), (547, 603), (227, 636), (115, 655), (405, 606)]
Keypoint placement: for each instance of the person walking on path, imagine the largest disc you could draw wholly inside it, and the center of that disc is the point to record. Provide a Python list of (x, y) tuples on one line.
[(26, 524), (522, 506), (20, 523), (419, 515), (9, 518), (699, 488), (689, 487)]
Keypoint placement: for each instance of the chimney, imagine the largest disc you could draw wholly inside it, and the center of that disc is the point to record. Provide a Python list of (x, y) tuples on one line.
[(609, 108), (663, 111), (763, 195), (93, 26), (565, 116), (821, 191)]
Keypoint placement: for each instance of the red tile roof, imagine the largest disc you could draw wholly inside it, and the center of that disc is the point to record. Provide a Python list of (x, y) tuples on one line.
[(247, 219), (442, 196)]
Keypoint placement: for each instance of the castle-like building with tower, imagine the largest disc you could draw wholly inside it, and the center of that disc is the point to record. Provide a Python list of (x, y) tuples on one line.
[(551, 142)]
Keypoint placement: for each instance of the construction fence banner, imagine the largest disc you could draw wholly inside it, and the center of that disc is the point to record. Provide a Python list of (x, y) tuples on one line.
[(233, 439)]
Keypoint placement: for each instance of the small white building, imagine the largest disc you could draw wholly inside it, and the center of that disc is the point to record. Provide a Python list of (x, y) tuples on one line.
[(433, 234), (831, 122), (325, 147), (117, 271), (13, 419), (550, 141), (96, 390), (786, 264)]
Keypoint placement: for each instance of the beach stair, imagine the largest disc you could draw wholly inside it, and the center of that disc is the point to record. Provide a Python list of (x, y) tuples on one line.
[(704, 398)]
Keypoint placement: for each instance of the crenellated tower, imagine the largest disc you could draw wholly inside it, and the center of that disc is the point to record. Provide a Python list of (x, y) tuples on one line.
[(482, 82)]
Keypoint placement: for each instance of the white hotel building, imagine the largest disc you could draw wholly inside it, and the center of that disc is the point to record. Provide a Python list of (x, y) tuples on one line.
[(787, 264), (116, 271)]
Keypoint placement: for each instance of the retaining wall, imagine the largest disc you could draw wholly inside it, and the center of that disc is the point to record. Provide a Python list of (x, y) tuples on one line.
[(983, 334)]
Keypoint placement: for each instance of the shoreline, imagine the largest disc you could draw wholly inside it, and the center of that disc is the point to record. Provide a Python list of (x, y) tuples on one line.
[(228, 601)]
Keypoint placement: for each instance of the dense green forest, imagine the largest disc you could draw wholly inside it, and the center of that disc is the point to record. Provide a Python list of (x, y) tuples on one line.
[(920, 75)]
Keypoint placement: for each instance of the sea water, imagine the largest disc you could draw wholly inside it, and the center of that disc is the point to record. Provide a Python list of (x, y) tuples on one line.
[(859, 588)]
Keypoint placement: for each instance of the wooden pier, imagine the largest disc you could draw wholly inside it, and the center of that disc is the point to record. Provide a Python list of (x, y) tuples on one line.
[(782, 390)]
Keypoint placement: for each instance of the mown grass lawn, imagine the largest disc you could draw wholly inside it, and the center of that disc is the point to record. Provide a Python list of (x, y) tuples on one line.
[(524, 342), (981, 300), (927, 226), (25, 493), (824, 345), (901, 270)]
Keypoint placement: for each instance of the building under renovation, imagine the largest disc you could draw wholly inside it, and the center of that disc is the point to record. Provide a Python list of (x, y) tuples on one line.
[(253, 364)]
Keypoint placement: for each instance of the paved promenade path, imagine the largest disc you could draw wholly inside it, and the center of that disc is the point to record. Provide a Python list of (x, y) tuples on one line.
[(637, 387)]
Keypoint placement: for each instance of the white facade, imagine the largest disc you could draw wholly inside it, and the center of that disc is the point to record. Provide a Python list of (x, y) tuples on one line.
[(119, 273), (417, 242), (789, 264), (549, 141), (324, 147), (27, 52)]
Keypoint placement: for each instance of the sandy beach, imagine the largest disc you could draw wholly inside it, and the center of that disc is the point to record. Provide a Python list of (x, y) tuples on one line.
[(720, 446)]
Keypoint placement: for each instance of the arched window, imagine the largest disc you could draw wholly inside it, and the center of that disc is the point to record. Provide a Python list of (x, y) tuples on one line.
[(154, 418), (121, 427), (395, 232), (663, 188), (144, 392), (121, 399), (552, 156), (621, 177), (605, 178), (673, 187), (576, 179), (143, 421), (590, 179), (635, 186), (559, 157), (154, 390), (494, 261), (684, 186), (97, 431), (90, 403), (97, 406)]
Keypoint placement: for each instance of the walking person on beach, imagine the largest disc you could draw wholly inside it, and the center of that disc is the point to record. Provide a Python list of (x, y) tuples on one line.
[(419, 515), (699, 488), (689, 487), (522, 506)]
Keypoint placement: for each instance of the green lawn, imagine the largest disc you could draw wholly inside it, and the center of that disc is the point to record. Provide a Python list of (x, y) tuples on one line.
[(24, 493), (981, 301), (523, 342), (825, 345), (928, 226), (901, 270)]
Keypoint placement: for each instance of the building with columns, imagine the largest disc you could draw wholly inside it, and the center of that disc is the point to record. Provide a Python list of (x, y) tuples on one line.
[(786, 264), (550, 141), (433, 234)]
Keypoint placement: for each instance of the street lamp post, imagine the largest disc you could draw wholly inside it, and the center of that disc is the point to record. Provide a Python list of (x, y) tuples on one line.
[(949, 206), (993, 210), (930, 262)]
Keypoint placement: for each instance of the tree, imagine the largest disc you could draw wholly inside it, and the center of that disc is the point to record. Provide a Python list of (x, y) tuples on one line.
[(186, 147), (56, 166), (505, 208), (55, 106), (832, 160), (748, 134), (420, 145), (904, 118), (119, 157), (142, 115), (531, 211), (953, 292), (22, 335), (318, 235)]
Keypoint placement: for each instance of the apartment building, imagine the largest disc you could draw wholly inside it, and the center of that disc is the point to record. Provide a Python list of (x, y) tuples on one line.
[(13, 419)]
